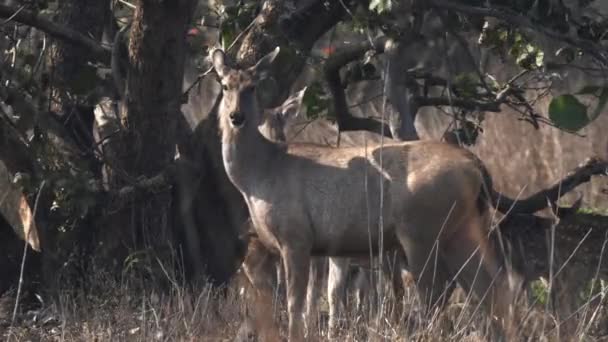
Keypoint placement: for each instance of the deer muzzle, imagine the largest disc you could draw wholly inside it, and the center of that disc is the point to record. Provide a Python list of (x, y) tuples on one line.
[(237, 119)]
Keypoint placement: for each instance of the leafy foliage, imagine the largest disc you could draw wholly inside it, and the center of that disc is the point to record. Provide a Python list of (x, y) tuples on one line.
[(502, 39)]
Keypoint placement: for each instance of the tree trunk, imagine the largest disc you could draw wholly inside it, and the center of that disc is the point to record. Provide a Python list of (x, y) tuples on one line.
[(149, 130)]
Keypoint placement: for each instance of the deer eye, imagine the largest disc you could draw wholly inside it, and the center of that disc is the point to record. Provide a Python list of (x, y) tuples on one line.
[(225, 87)]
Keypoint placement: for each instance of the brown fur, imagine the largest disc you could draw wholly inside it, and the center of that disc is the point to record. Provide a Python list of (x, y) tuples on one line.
[(307, 200), (263, 269)]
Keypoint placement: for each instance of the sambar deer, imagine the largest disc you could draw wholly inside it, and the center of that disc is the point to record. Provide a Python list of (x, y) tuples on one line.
[(263, 269), (429, 198)]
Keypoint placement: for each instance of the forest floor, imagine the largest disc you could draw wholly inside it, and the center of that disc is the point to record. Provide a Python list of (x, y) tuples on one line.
[(131, 311)]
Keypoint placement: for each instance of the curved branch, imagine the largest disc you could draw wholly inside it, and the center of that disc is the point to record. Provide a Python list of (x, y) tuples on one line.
[(60, 32), (542, 199), (346, 121)]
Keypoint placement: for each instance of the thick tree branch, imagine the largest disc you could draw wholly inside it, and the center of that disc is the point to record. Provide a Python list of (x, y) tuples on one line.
[(515, 19), (53, 29), (353, 52), (294, 32), (346, 121), (541, 199), (307, 24)]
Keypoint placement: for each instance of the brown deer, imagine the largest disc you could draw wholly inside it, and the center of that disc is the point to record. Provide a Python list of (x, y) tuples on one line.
[(428, 198), (264, 270)]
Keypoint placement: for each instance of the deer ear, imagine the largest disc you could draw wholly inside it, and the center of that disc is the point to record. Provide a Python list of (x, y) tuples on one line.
[(218, 59), (262, 67), (293, 105)]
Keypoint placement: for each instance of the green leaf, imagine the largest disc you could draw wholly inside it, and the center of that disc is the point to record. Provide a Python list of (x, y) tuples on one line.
[(568, 113)]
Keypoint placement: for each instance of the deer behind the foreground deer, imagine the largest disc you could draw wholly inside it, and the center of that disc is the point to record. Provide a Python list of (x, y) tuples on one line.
[(424, 197)]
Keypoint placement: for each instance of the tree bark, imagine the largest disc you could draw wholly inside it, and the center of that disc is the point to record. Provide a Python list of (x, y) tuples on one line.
[(148, 133)]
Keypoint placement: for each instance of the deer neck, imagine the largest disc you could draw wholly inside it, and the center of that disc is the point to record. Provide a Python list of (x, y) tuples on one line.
[(249, 157)]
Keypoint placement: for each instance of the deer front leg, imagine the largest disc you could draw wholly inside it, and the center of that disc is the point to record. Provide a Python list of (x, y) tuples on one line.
[(336, 292), (296, 263)]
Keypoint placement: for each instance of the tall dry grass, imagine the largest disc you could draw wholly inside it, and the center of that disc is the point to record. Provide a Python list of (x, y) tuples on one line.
[(132, 310)]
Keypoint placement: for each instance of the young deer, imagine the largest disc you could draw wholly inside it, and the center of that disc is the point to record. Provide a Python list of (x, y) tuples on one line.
[(425, 197)]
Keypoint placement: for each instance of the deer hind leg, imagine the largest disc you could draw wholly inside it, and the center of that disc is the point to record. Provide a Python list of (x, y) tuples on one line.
[(430, 273), (312, 293), (296, 263), (336, 292), (476, 264), (395, 269), (364, 291)]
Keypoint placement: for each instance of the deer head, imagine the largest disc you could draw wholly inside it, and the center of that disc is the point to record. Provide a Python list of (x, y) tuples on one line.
[(275, 119), (239, 107)]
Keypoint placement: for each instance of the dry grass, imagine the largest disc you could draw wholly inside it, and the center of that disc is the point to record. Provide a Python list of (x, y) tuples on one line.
[(131, 311)]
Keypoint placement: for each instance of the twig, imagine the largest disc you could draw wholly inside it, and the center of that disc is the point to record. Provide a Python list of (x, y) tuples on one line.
[(128, 4), (8, 20)]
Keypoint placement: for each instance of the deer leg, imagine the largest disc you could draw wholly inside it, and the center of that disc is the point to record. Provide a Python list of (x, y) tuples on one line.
[(280, 288), (430, 273), (395, 269), (475, 262), (259, 266), (296, 263), (362, 288), (312, 294), (336, 291)]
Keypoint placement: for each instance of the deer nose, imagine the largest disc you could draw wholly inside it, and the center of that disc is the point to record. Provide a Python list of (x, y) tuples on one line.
[(237, 118)]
